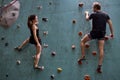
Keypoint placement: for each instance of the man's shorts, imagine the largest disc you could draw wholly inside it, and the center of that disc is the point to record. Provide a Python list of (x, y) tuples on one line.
[(97, 35)]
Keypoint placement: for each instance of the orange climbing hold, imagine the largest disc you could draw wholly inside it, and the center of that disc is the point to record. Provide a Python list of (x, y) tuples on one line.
[(94, 53), (80, 61), (106, 37), (87, 45), (87, 77), (80, 33)]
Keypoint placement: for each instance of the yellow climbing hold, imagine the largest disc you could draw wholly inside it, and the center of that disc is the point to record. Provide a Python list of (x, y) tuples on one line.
[(59, 69)]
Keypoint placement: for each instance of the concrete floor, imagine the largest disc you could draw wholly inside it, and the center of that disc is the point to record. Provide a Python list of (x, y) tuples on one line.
[(62, 33)]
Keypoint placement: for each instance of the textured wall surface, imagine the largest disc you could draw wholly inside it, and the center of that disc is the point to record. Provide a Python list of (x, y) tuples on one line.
[(62, 33)]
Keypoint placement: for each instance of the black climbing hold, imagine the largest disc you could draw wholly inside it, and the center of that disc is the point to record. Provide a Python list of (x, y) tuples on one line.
[(13, 14), (52, 76), (6, 44), (81, 4), (3, 38), (53, 53), (6, 75), (45, 19), (50, 3), (39, 7), (18, 25)]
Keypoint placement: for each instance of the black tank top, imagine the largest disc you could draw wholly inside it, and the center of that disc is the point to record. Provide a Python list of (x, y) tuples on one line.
[(37, 33), (32, 40)]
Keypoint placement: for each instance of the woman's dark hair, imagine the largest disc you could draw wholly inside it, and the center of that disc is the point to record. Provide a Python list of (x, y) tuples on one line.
[(97, 5), (30, 20)]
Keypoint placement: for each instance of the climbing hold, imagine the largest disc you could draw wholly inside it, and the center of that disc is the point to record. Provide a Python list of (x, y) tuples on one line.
[(59, 69), (18, 62), (52, 76), (45, 19), (45, 45), (80, 33), (53, 53), (87, 45), (39, 7), (73, 46), (2, 38), (81, 4), (94, 53), (111, 36), (39, 68), (99, 70), (73, 21), (45, 32), (80, 61), (42, 67), (6, 44), (106, 37), (7, 75), (13, 14), (18, 25), (50, 3), (87, 77), (18, 49)]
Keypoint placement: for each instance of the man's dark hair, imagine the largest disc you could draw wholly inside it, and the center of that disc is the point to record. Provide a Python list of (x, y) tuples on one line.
[(97, 5)]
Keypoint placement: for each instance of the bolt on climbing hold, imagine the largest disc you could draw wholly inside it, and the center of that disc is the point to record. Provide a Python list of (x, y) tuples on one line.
[(45, 45), (2, 38), (39, 7), (50, 3), (45, 19), (42, 67), (73, 46), (45, 32), (18, 62), (39, 68), (74, 21), (87, 45), (94, 53), (81, 4), (106, 38), (86, 77), (52, 76), (6, 44), (79, 61), (80, 33), (59, 70), (53, 53), (7, 75), (13, 14), (18, 25)]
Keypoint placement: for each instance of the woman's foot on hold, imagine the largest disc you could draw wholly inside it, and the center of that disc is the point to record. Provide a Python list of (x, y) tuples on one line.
[(17, 48), (99, 69), (81, 59), (39, 67)]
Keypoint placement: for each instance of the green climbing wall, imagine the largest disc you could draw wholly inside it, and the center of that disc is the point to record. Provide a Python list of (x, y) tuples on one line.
[(62, 33)]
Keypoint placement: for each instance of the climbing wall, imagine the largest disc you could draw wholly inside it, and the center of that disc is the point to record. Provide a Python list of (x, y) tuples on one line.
[(65, 20)]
